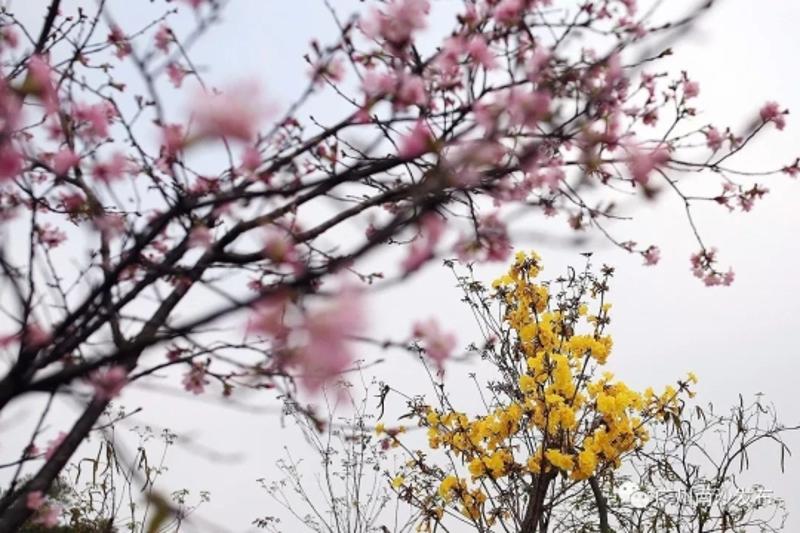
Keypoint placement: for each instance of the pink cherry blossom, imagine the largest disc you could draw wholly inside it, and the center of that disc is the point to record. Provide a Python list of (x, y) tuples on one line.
[(205, 185), (438, 344), (235, 113), (11, 162), (650, 117), (332, 70), (450, 54), (194, 380), (635, 27), (54, 130), (397, 23), (550, 177), (649, 83), (691, 89), (329, 331), (494, 233), (792, 170), (713, 279), (630, 5), (642, 162), (728, 277), (8, 36), (175, 352), (173, 139), (528, 108), (40, 74), (470, 16), (64, 160), (49, 236), (32, 450), (34, 500), (110, 223), (269, 318), (403, 89), (163, 38), (478, 51), (538, 64), (8, 340), (36, 336), (111, 169), (53, 445), (410, 91), (48, 517), (416, 142), (508, 12), (176, 73), (432, 227), (703, 267), (491, 242), (614, 80), (771, 112), (96, 117), (652, 255), (714, 138), (314, 341), (120, 42), (10, 108), (466, 159), (201, 237), (108, 382), (377, 85), (280, 249), (251, 159)]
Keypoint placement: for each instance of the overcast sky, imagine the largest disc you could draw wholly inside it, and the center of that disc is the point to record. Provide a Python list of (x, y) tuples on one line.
[(738, 339)]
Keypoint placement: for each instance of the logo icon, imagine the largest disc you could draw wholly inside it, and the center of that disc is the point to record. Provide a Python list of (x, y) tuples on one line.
[(630, 493)]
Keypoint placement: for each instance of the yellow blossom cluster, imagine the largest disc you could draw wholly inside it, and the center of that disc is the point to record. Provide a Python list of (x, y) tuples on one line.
[(453, 488), (556, 416)]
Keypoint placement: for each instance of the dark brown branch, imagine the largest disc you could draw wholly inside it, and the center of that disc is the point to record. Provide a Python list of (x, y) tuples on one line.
[(602, 505), (48, 26)]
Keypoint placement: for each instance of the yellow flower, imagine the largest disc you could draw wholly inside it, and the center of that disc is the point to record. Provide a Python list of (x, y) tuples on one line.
[(496, 463), (559, 459), (448, 485), (460, 442), (472, 502), (587, 463), (434, 438), (505, 279), (477, 468), (581, 345), (380, 428), (527, 384), (534, 463), (398, 481)]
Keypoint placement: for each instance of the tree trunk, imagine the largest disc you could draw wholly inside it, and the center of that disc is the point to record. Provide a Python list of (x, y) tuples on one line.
[(535, 509)]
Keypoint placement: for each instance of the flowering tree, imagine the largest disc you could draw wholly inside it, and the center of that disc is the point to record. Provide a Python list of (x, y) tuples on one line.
[(560, 446), (690, 479), (123, 245), (101, 491), (348, 492)]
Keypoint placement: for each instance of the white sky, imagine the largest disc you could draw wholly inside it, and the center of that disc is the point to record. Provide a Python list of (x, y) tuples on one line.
[(738, 339)]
